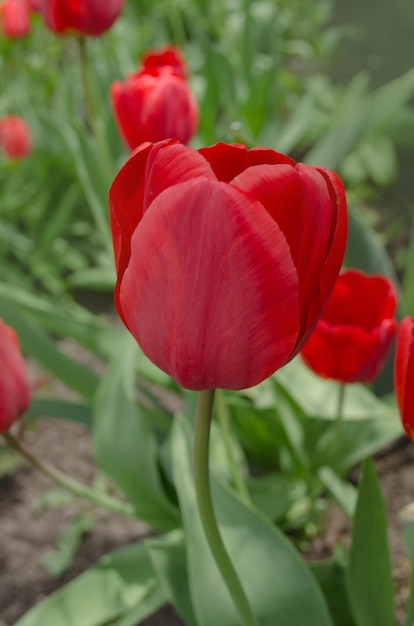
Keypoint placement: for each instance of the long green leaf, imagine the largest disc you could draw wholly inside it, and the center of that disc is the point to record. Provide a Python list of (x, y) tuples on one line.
[(369, 576), (37, 344), (168, 556), (125, 445), (120, 582), (272, 573)]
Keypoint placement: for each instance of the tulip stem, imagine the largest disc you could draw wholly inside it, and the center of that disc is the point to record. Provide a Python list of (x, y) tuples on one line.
[(340, 408), (224, 421), (91, 116), (205, 507), (67, 482)]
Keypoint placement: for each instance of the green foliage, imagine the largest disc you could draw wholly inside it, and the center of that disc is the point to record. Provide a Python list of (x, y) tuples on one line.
[(270, 570), (369, 563), (121, 584)]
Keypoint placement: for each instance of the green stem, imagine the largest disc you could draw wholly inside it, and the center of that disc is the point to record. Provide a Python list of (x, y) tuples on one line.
[(206, 510), (340, 408), (224, 421), (67, 482), (91, 116)]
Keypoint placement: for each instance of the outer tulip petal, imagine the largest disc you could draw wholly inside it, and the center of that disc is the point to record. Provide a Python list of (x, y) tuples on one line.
[(299, 200), (210, 292), (352, 338), (169, 167), (126, 201), (14, 386), (89, 17), (15, 137), (335, 253), (377, 290), (155, 103), (227, 161), (348, 353), (404, 374)]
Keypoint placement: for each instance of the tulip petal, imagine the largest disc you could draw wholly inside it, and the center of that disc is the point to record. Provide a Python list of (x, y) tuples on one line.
[(335, 252), (298, 199), (377, 290), (348, 353), (14, 385), (211, 292), (227, 161), (404, 374), (171, 166)]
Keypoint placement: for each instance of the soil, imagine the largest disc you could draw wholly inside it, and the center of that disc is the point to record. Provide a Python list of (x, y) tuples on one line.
[(27, 535)]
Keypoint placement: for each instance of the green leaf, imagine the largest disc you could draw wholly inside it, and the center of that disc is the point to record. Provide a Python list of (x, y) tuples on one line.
[(406, 515), (364, 250), (58, 561), (168, 556), (271, 571), (343, 492), (50, 407), (72, 320), (125, 446), (37, 344), (120, 582), (367, 422), (369, 578), (272, 494), (331, 577)]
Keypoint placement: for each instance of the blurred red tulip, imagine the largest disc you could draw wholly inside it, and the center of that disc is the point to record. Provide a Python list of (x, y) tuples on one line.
[(224, 257), (15, 137), (35, 5), (155, 103), (404, 374), (351, 340), (15, 18), (14, 384), (84, 17)]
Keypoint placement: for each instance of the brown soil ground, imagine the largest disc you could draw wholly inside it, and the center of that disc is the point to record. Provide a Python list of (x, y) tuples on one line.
[(27, 536)]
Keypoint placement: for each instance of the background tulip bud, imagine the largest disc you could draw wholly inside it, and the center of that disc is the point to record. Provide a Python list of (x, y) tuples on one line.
[(224, 256), (404, 374), (155, 103), (14, 385), (88, 17), (15, 18), (15, 137), (352, 338)]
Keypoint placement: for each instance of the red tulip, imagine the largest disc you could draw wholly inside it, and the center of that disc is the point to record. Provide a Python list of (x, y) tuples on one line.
[(352, 338), (404, 374), (14, 385), (15, 18), (224, 257), (155, 103), (84, 17), (15, 137)]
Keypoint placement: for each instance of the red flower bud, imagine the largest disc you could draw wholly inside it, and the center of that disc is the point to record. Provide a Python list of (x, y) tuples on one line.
[(14, 385), (15, 137), (84, 17), (352, 338), (155, 103), (404, 374), (224, 257), (15, 18)]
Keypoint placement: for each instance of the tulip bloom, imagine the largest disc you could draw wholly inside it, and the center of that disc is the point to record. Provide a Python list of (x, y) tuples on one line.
[(82, 17), (224, 257), (15, 18), (15, 137), (352, 339), (155, 103), (14, 385), (404, 374)]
